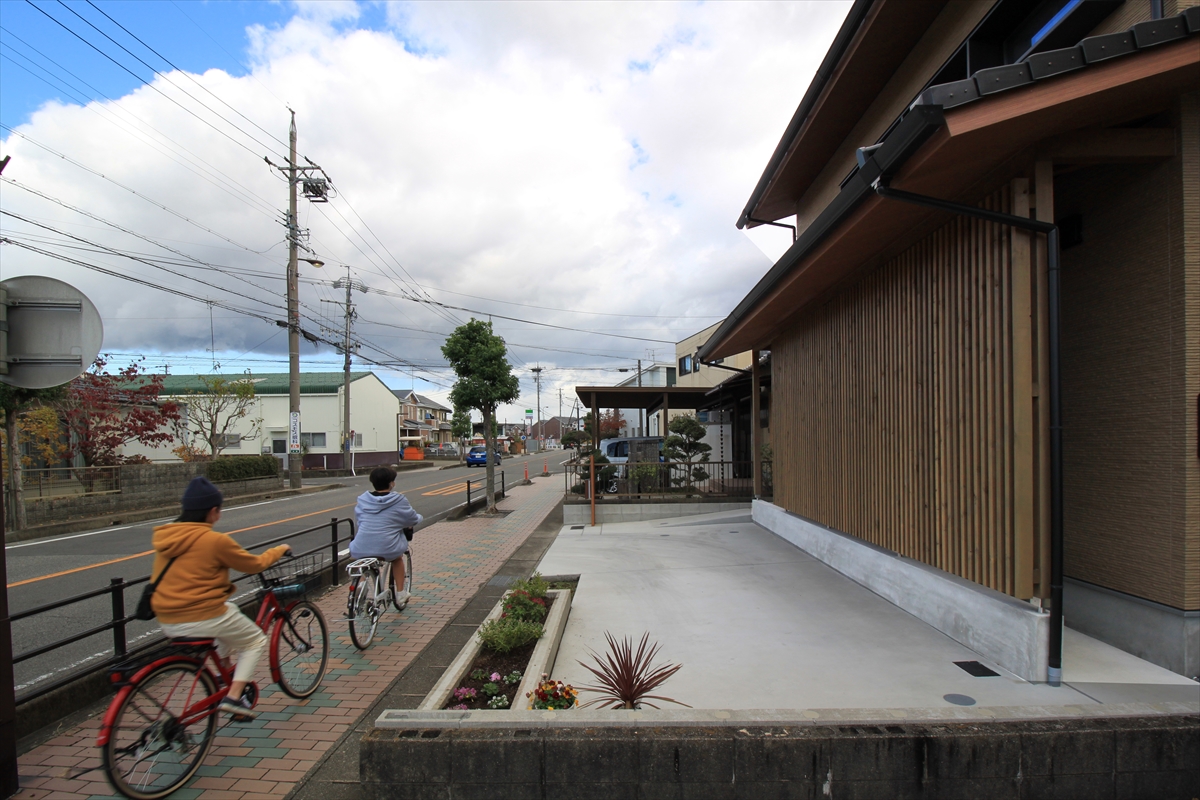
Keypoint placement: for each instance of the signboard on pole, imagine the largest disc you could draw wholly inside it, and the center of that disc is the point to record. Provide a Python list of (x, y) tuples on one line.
[(294, 434), (49, 332)]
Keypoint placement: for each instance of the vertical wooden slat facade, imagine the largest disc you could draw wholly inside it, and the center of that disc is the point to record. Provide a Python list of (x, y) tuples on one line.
[(903, 409)]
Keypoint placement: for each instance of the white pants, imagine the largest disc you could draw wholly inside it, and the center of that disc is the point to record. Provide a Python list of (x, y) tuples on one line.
[(234, 632)]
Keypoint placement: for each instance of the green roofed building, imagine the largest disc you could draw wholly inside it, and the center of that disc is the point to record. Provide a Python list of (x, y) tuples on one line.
[(374, 418)]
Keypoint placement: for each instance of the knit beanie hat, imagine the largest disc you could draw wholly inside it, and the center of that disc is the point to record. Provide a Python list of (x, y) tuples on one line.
[(201, 495)]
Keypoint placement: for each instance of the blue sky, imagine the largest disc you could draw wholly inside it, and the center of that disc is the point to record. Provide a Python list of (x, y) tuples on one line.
[(213, 37)]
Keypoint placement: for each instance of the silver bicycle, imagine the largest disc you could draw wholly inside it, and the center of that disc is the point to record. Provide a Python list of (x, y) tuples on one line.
[(372, 587)]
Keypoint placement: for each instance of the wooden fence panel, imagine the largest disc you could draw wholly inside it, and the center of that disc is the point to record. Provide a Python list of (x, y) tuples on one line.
[(897, 414)]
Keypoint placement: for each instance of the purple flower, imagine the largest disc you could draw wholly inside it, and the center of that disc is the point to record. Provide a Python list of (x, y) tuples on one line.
[(496, 677)]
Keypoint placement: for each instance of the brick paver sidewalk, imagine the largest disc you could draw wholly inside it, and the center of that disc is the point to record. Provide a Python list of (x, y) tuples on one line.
[(265, 758)]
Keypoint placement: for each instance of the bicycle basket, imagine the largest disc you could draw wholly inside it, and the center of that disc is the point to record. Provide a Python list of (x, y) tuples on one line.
[(294, 577)]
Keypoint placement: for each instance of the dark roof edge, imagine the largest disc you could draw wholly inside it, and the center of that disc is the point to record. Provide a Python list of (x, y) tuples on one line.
[(854, 20), (917, 126)]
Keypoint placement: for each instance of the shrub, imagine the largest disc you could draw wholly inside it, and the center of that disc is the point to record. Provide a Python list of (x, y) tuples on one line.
[(535, 585), (519, 605), (506, 635), (240, 468)]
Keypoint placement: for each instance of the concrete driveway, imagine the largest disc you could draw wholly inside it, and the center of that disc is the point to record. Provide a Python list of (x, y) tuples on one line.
[(759, 624)]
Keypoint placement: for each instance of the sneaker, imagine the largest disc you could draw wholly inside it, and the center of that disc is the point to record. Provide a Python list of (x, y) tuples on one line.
[(238, 710), (402, 598)]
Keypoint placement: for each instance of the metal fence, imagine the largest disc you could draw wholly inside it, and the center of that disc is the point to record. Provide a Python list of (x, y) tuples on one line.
[(671, 479), (121, 619), (481, 489), (68, 481)]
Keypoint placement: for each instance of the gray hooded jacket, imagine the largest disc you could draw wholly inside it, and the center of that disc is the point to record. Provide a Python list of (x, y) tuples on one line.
[(381, 521)]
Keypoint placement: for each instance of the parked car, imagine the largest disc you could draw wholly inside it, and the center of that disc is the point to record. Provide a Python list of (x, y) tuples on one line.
[(442, 449), (477, 456), (617, 450)]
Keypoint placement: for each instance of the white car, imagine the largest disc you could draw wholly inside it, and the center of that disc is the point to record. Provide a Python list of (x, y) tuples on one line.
[(617, 450)]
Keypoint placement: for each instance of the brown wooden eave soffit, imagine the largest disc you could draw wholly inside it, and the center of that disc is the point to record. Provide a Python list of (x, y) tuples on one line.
[(873, 41), (945, 153)]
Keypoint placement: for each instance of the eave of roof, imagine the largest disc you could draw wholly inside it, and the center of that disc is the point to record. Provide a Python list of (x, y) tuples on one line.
[(883, 31), (266, 383), (647, 397), (954, 151)]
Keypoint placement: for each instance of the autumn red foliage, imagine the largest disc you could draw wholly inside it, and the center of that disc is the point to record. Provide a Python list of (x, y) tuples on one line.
[(104, 411)]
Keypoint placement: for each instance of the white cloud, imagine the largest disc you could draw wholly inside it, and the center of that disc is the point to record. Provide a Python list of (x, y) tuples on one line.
[(577, 155)]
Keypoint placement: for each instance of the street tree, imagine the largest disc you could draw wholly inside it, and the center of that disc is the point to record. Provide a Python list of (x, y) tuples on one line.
[(484, 381), (460, 429), (102, 412), (215, 409), (14, 403), (611, 423)]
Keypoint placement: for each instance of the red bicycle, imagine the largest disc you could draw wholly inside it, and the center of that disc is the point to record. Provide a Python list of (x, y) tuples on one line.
[(160, 726)]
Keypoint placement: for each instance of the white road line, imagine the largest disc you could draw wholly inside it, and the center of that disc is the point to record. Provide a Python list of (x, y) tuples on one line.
[(81, 662), (136, 525)]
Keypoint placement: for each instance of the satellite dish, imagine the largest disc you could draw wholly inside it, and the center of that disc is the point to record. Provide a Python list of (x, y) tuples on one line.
[(50, 332)]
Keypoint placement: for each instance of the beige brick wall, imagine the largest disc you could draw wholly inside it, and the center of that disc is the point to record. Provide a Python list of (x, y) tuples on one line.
[(1131, 373)]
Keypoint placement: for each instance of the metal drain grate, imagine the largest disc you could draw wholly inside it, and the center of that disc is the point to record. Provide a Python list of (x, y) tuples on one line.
[(576, 527), (502, 580), (976, 669)]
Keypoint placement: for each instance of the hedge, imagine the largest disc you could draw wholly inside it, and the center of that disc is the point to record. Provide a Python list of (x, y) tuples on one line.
[(240, 468)]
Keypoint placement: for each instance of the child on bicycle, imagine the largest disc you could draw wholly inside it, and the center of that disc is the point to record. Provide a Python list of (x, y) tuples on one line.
[(381, 517), (192, 598)]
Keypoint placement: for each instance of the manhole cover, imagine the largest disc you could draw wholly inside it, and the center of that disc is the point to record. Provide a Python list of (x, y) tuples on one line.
[(959, 699), (977, 669)]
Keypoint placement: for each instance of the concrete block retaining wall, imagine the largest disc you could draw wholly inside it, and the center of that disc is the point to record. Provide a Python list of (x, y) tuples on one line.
[(1001, 628), (1110, 757), (581, 513), (142, 486)]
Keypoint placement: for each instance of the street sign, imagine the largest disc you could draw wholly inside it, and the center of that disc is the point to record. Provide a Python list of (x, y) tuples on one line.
[(529, 412), (294, 434), (50, 332)]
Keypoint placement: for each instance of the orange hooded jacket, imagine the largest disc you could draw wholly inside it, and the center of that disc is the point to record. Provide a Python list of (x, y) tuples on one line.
[(197, 585)]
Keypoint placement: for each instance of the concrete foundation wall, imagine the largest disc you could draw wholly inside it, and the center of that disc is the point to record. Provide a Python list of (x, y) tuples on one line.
[(1132, 757), (1160, 634), (1009, 632), (142, 486), (637, 512)]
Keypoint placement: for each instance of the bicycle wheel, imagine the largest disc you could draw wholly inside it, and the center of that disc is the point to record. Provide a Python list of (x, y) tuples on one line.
[(151, 752), (300, 650), (364, 610), (407, 581)]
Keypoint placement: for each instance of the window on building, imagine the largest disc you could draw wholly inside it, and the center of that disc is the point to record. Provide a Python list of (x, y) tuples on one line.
[(312, 439), (685, 365), (229, 441)]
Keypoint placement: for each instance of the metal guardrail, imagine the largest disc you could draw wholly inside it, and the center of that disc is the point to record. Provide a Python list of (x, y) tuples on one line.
[(120, 619), (70, 481), (483, 487), (667, 479)]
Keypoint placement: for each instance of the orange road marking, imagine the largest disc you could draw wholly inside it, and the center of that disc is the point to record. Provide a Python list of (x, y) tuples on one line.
[(455, 488), (151, 552)]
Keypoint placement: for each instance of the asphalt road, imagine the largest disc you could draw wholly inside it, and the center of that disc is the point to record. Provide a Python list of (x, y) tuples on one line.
[(46, 570)]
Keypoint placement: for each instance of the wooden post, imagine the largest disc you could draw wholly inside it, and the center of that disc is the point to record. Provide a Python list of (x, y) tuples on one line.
[(755, 424), (592, 481), (1023, 507)]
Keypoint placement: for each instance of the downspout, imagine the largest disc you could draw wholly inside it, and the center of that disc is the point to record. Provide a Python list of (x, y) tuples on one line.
[(1054, 673)]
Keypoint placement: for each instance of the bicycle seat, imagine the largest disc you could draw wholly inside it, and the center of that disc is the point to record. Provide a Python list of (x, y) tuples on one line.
[(193, 641)]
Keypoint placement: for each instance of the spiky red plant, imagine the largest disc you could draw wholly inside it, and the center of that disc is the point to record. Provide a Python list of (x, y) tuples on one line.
[(625, 677)]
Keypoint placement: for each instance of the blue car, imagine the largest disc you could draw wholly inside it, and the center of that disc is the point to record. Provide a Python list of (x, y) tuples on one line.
[(477, 456)]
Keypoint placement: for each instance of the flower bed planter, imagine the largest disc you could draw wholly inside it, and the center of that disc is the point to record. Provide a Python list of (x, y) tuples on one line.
[(544, 651)]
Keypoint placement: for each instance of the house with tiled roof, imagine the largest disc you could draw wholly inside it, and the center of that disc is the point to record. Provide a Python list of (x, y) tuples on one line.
[(425, 420)]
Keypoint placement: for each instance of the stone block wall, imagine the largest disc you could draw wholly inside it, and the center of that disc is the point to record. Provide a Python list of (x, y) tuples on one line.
[(142, 486)]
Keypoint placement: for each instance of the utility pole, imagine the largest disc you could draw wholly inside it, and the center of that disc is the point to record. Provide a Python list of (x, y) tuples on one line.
[(537, 379), (316, 190), (348, 307)]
